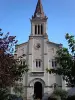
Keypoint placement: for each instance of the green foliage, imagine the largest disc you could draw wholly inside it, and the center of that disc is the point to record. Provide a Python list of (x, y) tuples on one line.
[(58, 94), (4, 94), (71, 42), (18, 89), (66, 60), (52, 98), (14, 97), (62, 93), (71, 97)]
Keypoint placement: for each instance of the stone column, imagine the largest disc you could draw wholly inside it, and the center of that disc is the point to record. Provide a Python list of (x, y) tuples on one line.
[(33, 29), (25, 90), (37, 29), (33, 55), (40, 29)]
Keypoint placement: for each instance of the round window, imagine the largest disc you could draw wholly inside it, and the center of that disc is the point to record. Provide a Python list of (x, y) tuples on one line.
[(38, 45)]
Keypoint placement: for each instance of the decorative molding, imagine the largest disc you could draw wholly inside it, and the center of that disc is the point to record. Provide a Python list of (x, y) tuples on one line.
[(30, 37), (51, 86), (28, 86), (15, 54), (48, 86), (49, 42), (19, 45), (45, 53), (23, 55), (37, 74), (29, 54)]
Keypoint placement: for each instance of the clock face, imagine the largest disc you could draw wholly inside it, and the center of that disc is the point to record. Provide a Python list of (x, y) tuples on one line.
[(37, 46), (37, 14)]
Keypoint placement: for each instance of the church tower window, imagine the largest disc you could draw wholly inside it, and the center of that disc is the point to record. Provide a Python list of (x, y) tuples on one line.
[(38, 29), (41, 29), (35, 29), (38, 21)]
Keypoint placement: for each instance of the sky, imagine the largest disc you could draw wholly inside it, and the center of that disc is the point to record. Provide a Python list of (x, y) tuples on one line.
[(15, 18)]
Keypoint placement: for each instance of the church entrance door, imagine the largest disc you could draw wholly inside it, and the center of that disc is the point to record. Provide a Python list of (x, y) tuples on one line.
[(38, 90)]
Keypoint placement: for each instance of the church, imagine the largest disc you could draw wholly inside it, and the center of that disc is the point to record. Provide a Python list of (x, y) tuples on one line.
[(39, 54)]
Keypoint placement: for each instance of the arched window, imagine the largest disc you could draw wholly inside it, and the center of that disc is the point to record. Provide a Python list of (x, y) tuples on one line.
[(38, 29), (41, 29), (38, 63), (54, 63), (35, 29)]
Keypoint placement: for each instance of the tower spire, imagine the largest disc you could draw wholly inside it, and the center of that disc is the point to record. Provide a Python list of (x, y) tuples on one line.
[(39, 10)]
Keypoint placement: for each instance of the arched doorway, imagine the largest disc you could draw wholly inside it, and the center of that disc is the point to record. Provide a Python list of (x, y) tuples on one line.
[(38, 90)]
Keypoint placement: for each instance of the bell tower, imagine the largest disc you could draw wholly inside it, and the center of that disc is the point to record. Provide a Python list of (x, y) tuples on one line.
[(38, 21)]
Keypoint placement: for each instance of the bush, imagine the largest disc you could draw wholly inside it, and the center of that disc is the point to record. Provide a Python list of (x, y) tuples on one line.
[(14, 97), (71, 97), (52, 98), (18, 89), (61, 93), (4, 94)]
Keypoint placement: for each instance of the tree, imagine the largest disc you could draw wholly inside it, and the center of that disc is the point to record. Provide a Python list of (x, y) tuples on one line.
[(62, 93), (66, 60), (10, 69), (18, 89), (4, 94)]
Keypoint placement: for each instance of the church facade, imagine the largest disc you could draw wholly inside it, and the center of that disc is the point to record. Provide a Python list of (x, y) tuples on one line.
[(39, 54)]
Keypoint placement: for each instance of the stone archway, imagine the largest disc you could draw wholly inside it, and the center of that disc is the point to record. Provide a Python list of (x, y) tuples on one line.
[(35, 80), (38, 90)]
